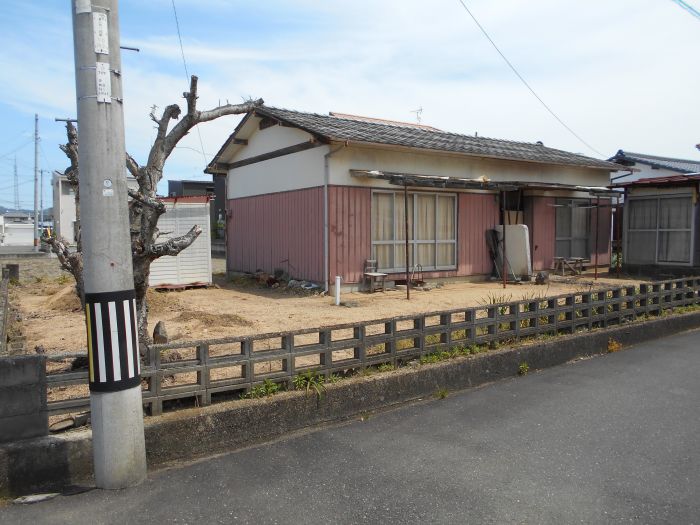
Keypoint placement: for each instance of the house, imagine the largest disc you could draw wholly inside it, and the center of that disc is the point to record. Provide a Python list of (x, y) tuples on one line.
[(64, 211), (661, 233), (16, 229), (318, 195), (651, 166)]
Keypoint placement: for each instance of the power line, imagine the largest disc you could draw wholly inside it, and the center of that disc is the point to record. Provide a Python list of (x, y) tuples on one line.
[(512, 67), (16, 149), (688, 8), (187, 75)]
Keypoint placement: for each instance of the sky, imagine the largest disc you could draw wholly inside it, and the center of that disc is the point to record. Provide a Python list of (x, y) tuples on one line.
[(622, 74)]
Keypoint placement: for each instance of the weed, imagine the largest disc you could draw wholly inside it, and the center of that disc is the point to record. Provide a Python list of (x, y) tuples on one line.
[(63, 279), (442, 393), (614, 346), (386, 367), (495, 298), (266, 389), (310, 380), (333, 378), (523, 369)]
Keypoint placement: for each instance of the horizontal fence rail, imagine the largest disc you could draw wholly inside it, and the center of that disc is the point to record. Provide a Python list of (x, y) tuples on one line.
[(204, 369)]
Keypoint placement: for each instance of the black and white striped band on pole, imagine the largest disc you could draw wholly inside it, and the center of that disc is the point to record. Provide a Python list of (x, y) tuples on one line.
[(113, 344)]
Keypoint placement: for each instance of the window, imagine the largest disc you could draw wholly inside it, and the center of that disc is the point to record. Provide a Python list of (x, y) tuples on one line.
[(432, 230), (659, 230), (573, 228)]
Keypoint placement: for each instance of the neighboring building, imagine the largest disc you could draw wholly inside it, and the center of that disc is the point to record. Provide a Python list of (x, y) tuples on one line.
[(16, 229), (192, 266), (652, 166), (318, 195), (64, 211), (215, 189), (662, 225)]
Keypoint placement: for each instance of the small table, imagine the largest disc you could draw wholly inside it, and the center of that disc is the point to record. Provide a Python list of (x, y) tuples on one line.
[(575, 264)]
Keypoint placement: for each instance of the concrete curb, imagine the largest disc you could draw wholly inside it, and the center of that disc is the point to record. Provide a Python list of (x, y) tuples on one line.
[(53, 462)]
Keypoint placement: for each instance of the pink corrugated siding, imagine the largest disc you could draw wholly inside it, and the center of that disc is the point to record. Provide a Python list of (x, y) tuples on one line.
[(349, 222), (604, 228), (541, 218), (477, 213), (278, 230)]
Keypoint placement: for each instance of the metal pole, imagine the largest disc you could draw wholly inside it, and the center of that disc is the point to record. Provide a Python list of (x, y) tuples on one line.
[(405, 222), (113, 355), (41, 198), (36, 182), (618, 225), (597, 230), (503, 216)]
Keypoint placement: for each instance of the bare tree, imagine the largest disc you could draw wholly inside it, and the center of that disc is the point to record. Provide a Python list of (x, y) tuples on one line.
[(144, 207)]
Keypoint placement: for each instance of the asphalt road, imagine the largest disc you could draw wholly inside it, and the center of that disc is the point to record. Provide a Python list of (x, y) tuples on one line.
[(606, 440)]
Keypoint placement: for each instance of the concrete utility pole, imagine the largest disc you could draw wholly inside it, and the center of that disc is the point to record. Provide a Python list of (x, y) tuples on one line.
[(36, 182), (110, 306)]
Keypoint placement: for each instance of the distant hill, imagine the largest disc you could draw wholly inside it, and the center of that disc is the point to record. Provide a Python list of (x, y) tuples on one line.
[(48, 212)]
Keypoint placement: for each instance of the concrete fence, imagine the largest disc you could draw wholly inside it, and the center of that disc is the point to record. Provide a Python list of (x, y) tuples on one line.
[(202, 371), (4, 309)]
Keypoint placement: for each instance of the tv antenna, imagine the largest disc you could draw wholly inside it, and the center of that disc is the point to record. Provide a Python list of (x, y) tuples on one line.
[(419, 114)]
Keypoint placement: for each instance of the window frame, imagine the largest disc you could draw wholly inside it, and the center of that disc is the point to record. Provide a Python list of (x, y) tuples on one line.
[(413, 242), (571, 238), (657, 230)]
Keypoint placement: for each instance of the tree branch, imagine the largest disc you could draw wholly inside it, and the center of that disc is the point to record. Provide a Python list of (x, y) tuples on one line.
[(175, 245), (148, 201), (194, 117), (132, 166)]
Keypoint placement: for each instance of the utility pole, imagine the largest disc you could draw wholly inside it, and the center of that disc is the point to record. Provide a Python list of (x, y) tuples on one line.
[(36, 182), (16, 187), (41, 197), (110, 307)]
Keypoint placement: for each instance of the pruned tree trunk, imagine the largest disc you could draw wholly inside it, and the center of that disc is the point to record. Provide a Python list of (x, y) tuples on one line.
[(144, 206)]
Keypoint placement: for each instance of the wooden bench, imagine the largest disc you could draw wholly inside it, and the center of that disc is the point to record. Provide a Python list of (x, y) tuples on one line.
[(371, 275)]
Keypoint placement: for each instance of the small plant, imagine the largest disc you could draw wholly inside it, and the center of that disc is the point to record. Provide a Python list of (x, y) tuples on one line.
[(63, 279), (523, 369), (613, 346), (386, 367), (310, 380), (442, 393), (266, 389), (333, 378)]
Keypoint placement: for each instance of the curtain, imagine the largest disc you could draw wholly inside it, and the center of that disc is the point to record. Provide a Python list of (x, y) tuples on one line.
[(675, 213), (642, 214), (674, 247), (382, 217), (425, 217)]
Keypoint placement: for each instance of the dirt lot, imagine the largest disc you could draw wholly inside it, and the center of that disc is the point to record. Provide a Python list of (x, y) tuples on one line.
[(52, 319)]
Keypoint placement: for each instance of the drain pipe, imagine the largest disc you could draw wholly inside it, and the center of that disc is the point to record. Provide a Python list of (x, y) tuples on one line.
[(326, 232)]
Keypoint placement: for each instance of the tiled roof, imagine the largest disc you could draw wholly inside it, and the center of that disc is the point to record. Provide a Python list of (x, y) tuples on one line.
[(397, 134), (680, 165)]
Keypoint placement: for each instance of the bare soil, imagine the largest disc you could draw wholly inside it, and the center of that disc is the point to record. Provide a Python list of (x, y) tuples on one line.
[(51, 317)]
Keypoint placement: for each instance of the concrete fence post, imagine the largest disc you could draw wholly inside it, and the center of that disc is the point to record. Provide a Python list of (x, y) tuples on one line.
[(23, 411)]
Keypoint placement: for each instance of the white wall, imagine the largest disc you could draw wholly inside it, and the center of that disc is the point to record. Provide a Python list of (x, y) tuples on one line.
[(447, 165), (645, 172), (16, 234), (289, 172), (271, 139)]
